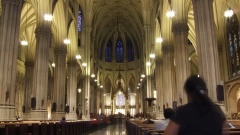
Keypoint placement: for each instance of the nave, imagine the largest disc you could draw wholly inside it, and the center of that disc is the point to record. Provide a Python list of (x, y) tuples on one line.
[(112, 129)]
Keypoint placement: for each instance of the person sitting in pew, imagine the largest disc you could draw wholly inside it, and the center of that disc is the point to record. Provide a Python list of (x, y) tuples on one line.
[(63, 120), (162, 124), (200, 116)]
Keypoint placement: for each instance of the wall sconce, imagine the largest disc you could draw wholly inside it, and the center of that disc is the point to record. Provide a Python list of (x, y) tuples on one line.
[(84, 64), (159, 40), (48, 17), (143, 76), (171, 13), (152, 55), (53, 65), (78, 57), (66, 41), (148, 63), (79, 90), (228, 12), (92, 75)]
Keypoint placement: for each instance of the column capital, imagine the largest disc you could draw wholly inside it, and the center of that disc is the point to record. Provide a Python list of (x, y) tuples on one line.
[(14, 2), (180, 28), (29, 64), (146, 26), (220, 49), (167, 48), (43, 31), (72, 63), (88, 28), (159, 61), (60, 50)]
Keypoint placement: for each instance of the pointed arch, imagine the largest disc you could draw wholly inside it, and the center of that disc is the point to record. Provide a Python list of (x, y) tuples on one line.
[(119, 51)]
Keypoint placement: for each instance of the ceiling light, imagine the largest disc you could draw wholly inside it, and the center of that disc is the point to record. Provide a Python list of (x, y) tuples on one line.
[(53, 64), (84, 64), (78, 57), (48, 17), (152, 55), (79, 90), (148, 63), (159, 40), (66, 41), (228, 13), (92, 75), (24, 43), (142, 75), (170, 14)]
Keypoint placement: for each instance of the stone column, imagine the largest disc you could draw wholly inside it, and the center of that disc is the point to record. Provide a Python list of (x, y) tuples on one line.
[(40, 74), (9, 41), (221, 55), (28, 89), (207, 50), (180, 32), (72, 90), (147, 52), (168, 75), (159, 86), (136, 101), (59, 82), (87, 71)]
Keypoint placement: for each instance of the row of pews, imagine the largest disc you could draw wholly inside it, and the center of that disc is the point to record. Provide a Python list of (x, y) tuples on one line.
[(51, 128), (136, 127)]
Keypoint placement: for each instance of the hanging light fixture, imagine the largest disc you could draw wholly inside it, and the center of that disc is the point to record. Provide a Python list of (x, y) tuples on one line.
[(48, 17), (159, 40), (228, 12), (171, 13), (25, 42)]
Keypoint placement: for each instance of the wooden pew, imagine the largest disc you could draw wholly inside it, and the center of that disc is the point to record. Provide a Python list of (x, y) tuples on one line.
[(43, 129), (35, 129), (57, 129), (10, 129), (23, 129), (50, 128), (63, 129)]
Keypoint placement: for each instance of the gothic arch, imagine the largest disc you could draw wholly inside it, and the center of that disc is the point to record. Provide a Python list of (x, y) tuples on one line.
[(108, 84), (232, 97)]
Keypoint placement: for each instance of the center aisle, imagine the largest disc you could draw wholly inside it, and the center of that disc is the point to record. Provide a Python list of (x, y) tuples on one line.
[(113, 129)]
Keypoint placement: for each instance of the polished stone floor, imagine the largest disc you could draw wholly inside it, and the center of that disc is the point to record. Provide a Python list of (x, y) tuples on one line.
[(113, 129)]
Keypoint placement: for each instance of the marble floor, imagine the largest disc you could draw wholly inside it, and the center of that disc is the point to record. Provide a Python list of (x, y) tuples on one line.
[(113, 129)]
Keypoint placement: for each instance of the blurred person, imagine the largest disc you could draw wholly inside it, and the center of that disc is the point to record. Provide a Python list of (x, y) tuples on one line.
[(162, 124), (200, 116), (63, 120)]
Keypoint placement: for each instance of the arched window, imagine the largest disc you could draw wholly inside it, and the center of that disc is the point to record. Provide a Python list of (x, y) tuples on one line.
[(233, 34), (108, 51), (120, 100), (130, 51), (119, 51), (79, 20)]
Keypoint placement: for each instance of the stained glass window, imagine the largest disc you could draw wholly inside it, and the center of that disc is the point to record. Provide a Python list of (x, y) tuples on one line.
[(120, 100), (119, 51), (130, 51), (233, 34), (108, 52), (79, 21)]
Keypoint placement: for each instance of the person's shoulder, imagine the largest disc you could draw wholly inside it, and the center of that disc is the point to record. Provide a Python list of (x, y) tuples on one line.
[(184, 107)]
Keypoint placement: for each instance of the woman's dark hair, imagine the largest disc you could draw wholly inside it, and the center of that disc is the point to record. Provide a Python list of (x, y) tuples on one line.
[(169, 113), (196, 88)]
